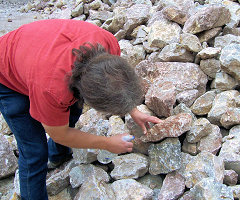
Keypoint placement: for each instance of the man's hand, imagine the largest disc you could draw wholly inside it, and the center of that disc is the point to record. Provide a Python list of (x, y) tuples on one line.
[(142, 119), (117, 145)]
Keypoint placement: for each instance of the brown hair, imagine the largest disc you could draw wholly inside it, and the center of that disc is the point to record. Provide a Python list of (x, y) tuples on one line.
[(106, 82)]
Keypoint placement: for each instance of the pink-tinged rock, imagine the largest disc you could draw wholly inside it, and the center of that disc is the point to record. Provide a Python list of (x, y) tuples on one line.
[(184, 76), (207, 18), (173, 126), (173, 187), (160, 98), (230, 177), (212, 142)]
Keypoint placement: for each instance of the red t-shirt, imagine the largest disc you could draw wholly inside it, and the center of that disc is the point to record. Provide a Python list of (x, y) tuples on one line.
[(35, 59)]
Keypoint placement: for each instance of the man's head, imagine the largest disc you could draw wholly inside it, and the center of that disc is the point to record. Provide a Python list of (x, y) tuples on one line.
[(106, 82)]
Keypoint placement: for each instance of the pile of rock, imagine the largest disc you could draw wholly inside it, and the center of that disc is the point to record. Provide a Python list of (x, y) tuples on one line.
[(188, 55)]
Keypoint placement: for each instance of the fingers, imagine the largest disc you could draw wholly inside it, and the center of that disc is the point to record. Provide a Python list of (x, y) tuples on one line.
[(129, 150), (154, 120)]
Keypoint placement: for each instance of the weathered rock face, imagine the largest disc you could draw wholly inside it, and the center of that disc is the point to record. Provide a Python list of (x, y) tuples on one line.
[(207, 18), (129, 166), (7, 158), (230, 60), (202, 166), (130, 189), (173, 186), (165, 157), (173, 126), (184, 76)]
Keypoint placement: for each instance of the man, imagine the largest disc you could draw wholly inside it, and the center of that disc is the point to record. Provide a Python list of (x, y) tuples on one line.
[(46, 69)]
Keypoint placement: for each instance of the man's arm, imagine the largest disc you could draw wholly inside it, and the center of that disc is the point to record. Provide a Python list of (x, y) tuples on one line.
[(75, 138)]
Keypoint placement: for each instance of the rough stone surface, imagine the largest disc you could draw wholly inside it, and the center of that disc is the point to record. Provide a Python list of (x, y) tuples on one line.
[(210, 67), (230, 118), (7, 158), (95, 189), (208, 188), (151, 181), (185, 76), (212, 142), (230, 153), (190, 42), (207, 18), (163, 32), (187, 97), (82, 173), (173, 186), (165, 157), (203, 104), (200, 128), (222, 102), (230, 177), (209, 52), (225, 40), (223, 82), (175, 14), (173, 126), (190, 148), (230, 60), (182, 108), (207, 35), (130, 189), (161, 97), (202, 166), (175, 52), (129, 166)]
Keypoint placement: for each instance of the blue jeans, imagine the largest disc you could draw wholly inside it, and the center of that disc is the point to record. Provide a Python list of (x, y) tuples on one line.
[(34, 150)]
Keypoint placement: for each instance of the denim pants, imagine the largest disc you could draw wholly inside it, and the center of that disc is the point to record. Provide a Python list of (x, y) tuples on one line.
[(34, 150)]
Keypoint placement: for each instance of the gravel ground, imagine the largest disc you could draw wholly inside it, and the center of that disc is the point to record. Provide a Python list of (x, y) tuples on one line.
[(10, 16)]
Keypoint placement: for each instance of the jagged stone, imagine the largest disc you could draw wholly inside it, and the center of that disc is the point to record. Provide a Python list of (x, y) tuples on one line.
[(184, 76), (165, 157), (184, 5), (161, 97), (230, 118), (202, 166), (82, 173), (210, 67), (77, 11), (95, 5), (225, 40), (173, 126), (182, 108), (209, 52), (134, 54), (130, 189), (222, 102), (232, 31), (4, 128), (200, 128), (7, 158), (151, 181), (207, 35), (174, 14), (100, 15), (230, 152), (203, 104), (116, 126), (187, 97), (230, 177), (85, 156), (206, 18), (212, 142), (175, 52), (230, 60), (95, 189), (190, 42), (208, 188), (130, 166), (173, 186), (223, 81), (163, 32)]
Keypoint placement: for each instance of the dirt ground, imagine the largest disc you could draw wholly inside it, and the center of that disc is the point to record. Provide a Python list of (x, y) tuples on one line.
[(11, 18)]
